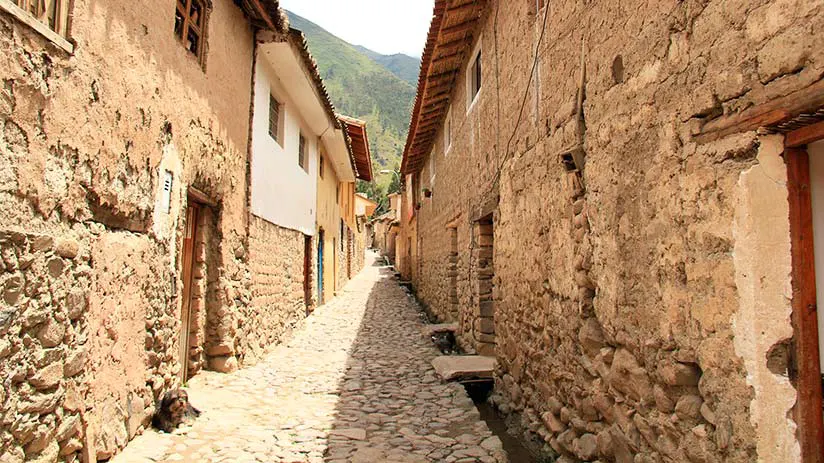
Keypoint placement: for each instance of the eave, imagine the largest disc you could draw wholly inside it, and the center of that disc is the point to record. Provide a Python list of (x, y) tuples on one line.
[(451, 35)]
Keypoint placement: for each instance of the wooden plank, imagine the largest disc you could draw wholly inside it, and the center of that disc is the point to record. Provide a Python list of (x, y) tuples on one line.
[(804, 319), (26, 18), (772, 112), (201, 197), (805, 135)]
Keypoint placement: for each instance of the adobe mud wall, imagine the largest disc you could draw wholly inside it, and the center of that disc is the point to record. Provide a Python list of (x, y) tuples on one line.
[(276, 265), (632, 318), (91, 277)]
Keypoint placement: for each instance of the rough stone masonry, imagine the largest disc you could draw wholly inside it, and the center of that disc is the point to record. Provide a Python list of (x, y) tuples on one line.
[(638, 298), (90, 276)]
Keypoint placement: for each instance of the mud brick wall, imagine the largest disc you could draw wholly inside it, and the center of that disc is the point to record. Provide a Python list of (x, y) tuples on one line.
[(84, 140), (634, 311), (276, 264)]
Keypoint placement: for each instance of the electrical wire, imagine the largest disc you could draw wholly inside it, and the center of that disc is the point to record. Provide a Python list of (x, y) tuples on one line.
[(523, 101)]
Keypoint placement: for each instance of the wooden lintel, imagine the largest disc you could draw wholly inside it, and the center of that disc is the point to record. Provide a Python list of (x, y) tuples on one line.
[(763, 115), (201, 197), (805, 135)]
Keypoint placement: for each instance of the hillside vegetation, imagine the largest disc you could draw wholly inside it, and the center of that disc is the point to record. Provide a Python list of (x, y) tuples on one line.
[(362, 85)]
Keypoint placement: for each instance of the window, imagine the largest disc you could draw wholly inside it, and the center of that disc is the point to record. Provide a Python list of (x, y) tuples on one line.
[(320, 166), (447, 131), (190, 26), (302, 152), (274, 118), (473, 78), (48, 17)]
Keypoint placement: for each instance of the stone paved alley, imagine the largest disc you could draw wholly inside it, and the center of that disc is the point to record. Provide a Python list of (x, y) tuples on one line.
[(352, 383)]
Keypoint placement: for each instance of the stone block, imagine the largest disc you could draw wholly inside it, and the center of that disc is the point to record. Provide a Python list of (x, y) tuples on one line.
[(458, 367), (680, 374), (485, 325), (487, 308), (47, 377), (67, 248), (689, 407), (227, 364), (51, 334)]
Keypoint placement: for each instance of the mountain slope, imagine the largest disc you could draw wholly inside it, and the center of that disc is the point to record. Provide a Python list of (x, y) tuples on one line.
[(403, 66), (361, 87)]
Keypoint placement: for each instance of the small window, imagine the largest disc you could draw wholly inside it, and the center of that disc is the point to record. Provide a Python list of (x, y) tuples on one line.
[(302, 152), (274, 118), (320, 166), (474, 77), (447, 131), (190, 26), (51, 18)]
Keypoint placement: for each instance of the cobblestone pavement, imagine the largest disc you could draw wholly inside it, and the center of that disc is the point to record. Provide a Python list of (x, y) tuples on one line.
[(352, 384)]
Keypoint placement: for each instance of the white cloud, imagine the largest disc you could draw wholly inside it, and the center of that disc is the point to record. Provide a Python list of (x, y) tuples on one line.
[(385, 26)]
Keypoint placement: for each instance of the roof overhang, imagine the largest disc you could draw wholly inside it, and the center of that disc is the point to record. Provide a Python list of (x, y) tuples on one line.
[(265, 14), (451, 35), (359, 142)]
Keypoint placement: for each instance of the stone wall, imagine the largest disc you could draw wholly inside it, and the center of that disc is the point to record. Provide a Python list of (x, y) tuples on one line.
[(276, 264), (621, 320), (95, 332)]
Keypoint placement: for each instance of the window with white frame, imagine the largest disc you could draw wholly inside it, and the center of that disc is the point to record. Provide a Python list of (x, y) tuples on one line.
[(473, 77), (48, 17)]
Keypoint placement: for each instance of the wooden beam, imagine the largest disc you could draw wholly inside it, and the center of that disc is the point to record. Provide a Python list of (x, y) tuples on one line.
[(770, 113), (806, 367), (805, 135), (460, 27)]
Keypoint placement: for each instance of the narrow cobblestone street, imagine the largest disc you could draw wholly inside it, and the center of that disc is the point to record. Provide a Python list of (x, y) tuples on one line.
[(353, 383)]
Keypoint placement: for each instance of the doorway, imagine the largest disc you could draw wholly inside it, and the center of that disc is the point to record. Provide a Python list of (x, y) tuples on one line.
[(321, 239), (484, 328), (190, 237), (804, 156), (307, 273)]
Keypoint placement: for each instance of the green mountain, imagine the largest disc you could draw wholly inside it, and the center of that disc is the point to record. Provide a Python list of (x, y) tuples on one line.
[(403, 66), (362, 87)]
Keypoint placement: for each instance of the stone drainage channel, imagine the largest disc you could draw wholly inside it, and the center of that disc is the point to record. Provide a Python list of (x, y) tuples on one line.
[(479, 390)]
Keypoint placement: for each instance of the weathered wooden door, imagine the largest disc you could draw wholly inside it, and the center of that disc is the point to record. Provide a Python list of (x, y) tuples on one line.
[(805, 182), (189, 239)]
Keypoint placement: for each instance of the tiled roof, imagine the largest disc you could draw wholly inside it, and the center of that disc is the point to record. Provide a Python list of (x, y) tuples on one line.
[(451, 35), (298, 40), (265, 14), (359, 142)]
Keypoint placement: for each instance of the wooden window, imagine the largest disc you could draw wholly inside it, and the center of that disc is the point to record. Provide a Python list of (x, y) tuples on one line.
[(320, 166), (302, 152), (473, 78), (190, 26), (48, 17), (274, 118)]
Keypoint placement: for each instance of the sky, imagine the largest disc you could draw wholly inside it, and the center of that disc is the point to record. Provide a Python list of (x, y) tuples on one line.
[(384, 26)]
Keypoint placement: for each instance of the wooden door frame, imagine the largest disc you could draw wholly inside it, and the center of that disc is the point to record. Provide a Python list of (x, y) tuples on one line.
[(805, 366), (191, 228)]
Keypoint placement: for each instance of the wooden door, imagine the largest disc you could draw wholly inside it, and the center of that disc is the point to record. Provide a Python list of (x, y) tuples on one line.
[(189, 239), (805, 369)]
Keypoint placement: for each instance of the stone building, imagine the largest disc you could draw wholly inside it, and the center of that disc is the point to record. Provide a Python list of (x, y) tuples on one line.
[(295, 130), (621, 204), (134, 254)]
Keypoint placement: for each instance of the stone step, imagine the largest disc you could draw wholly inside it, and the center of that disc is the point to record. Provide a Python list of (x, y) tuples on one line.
[(428, 330), (464, 367)]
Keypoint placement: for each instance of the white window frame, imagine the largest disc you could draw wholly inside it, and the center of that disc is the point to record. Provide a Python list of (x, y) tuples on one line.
[(39, 26), (281, 123), (470, 73)]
